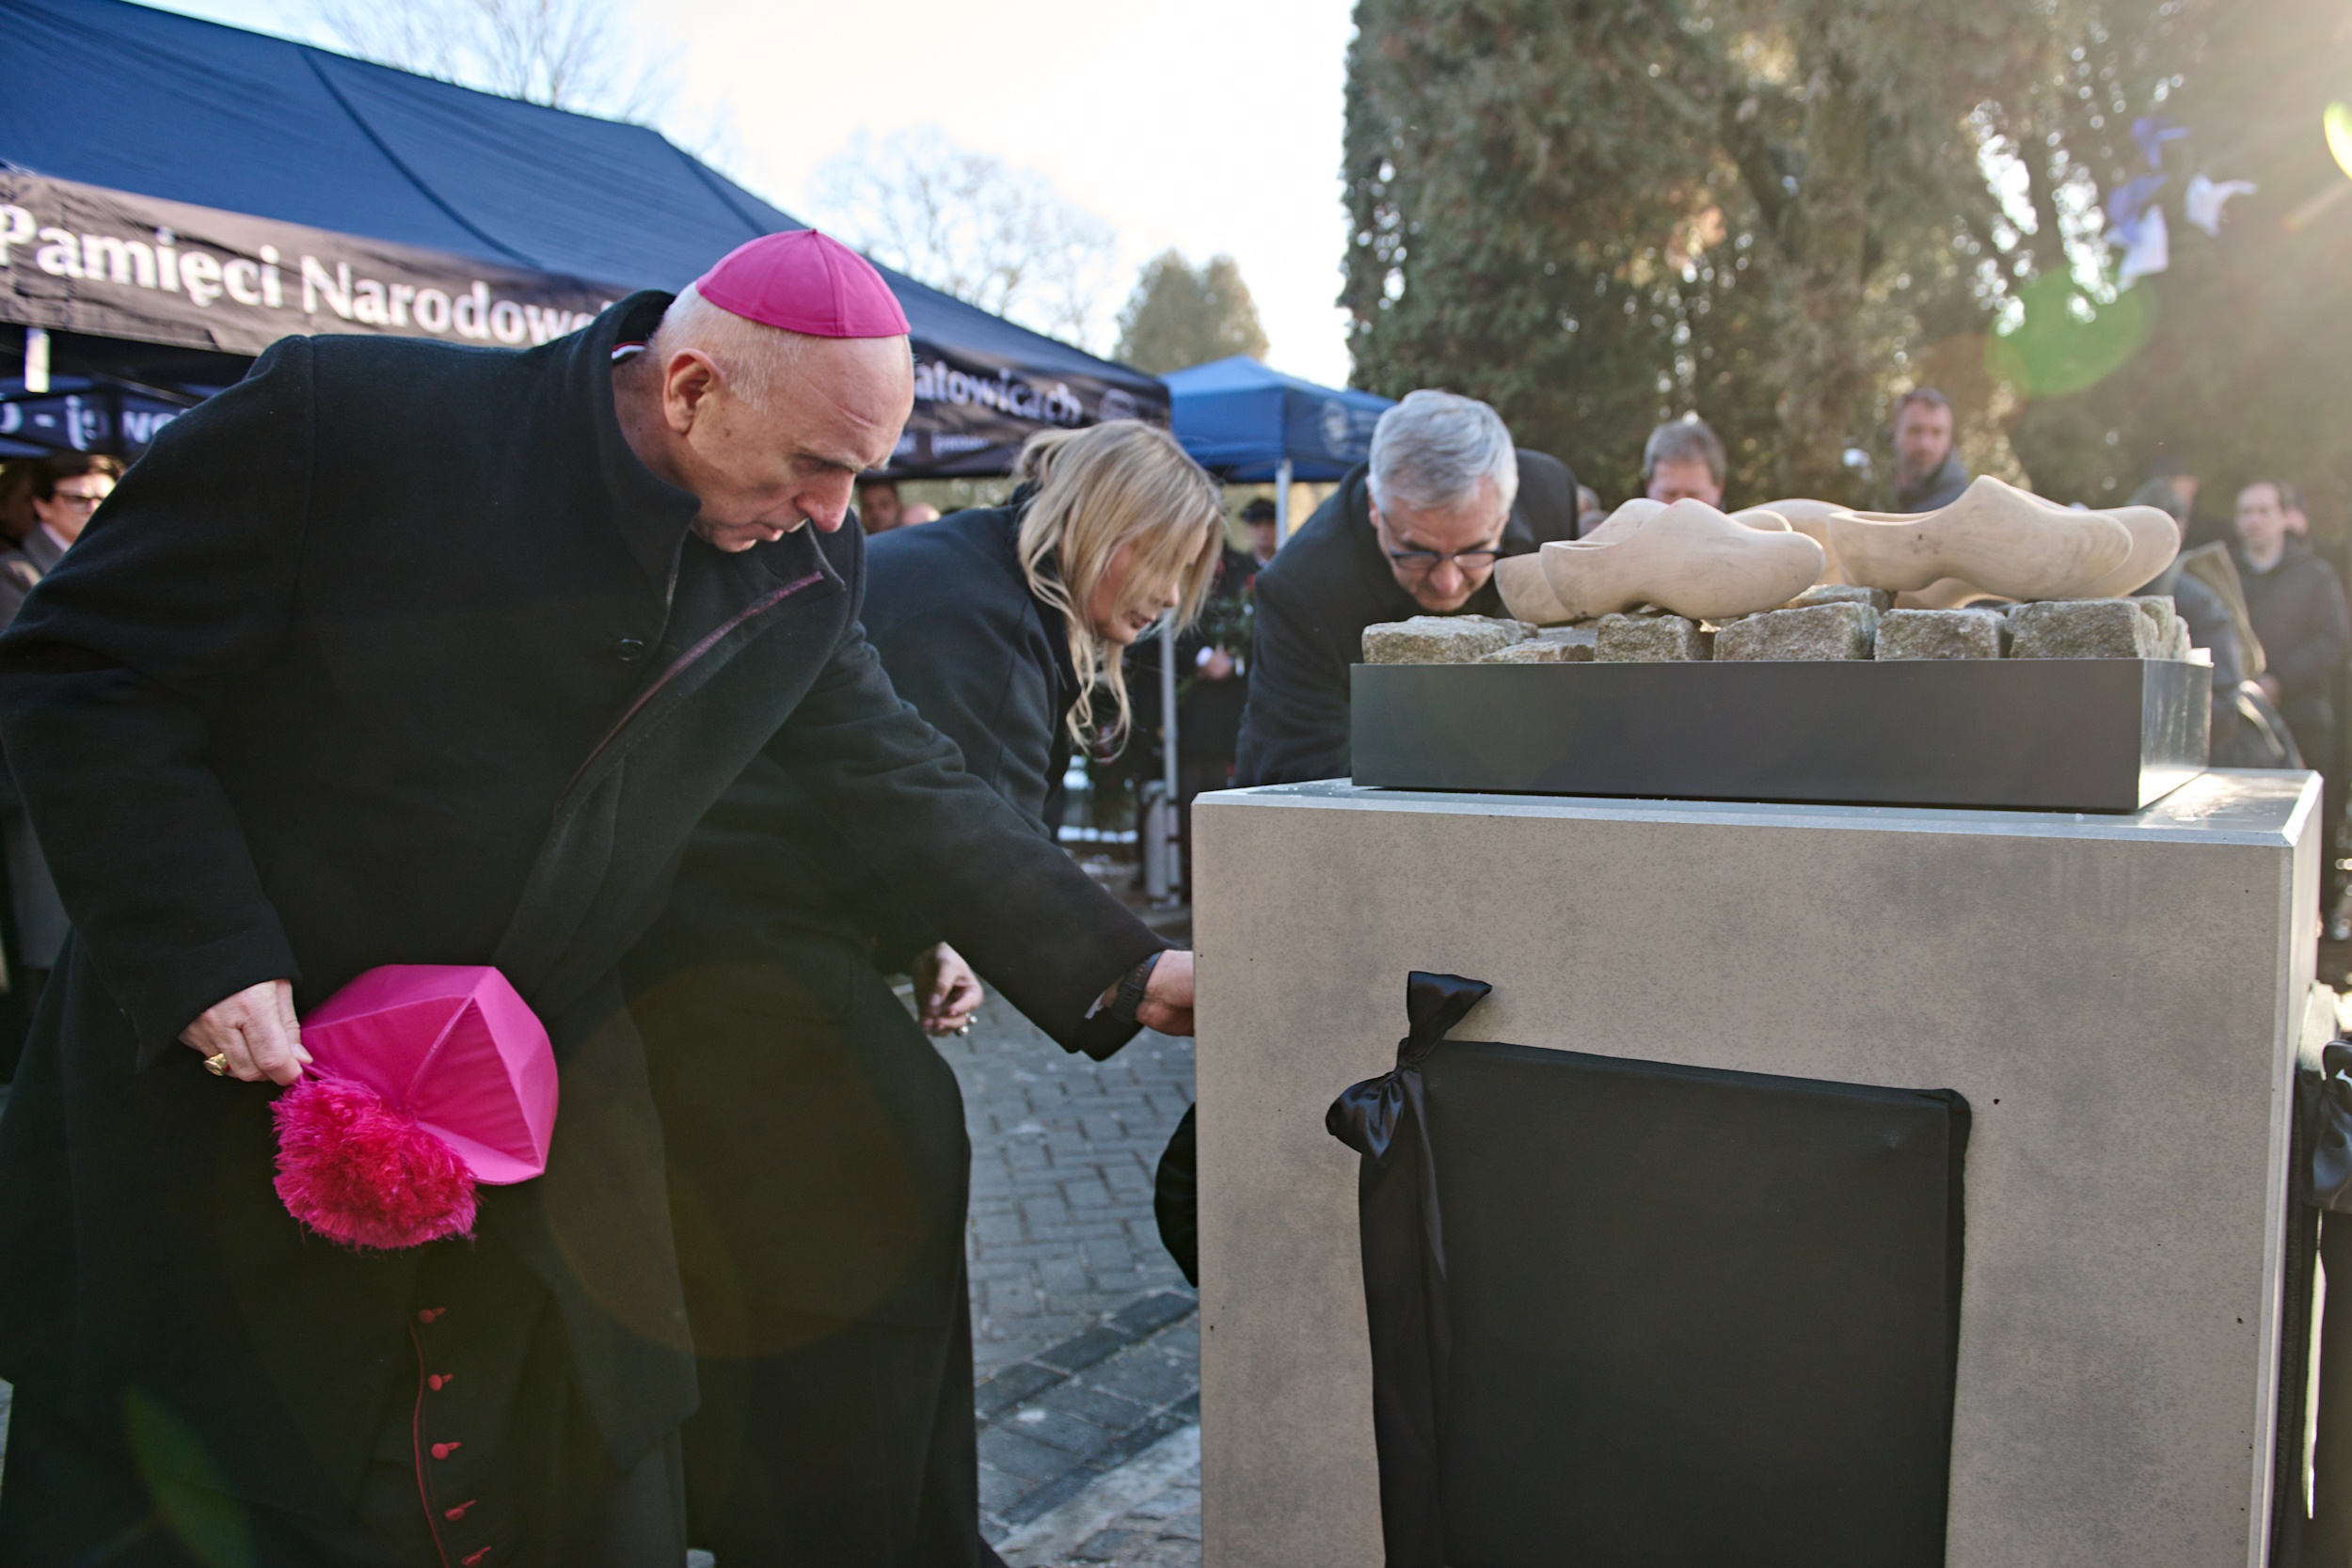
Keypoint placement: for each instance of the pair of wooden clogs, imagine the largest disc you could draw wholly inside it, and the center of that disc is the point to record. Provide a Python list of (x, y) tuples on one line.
[(1995, 541)]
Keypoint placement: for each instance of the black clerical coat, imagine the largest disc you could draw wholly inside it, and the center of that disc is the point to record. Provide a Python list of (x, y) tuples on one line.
[(1326, 583), (818, 1156), (396, 654)]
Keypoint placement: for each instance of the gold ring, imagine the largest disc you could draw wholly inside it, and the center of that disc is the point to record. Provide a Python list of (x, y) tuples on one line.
[(217, 1066)]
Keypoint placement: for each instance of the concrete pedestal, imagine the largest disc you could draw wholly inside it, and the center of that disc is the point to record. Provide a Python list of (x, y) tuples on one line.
[(2120, 998)]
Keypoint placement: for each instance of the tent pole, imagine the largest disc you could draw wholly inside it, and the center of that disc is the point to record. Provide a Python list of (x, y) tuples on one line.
[(1282, 504), (1169, 781)]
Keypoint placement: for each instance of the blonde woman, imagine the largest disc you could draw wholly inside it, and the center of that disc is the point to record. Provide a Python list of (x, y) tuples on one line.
[(817, 1164)]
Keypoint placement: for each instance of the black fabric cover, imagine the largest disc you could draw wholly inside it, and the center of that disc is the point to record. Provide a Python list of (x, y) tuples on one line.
[(1626, 1312), (2311, 1493), (1176, 1199)]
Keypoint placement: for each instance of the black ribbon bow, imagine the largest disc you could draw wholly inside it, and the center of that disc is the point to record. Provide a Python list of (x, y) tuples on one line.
[(1404, 1250)]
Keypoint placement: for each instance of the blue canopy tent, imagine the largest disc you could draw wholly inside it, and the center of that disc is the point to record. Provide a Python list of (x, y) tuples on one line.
[(174, 193), (1251, 425)]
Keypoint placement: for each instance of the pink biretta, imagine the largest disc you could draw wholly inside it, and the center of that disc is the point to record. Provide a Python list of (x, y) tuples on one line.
[(424, 1080), (804, 282)]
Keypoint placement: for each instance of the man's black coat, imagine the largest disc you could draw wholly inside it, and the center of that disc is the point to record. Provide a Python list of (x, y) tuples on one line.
[(396, 654), (2298, 611), (1328, 582), (818, 1156)]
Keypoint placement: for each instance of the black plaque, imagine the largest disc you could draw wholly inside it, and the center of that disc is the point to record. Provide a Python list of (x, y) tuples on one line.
[(1697, 1319), (2106, 735)]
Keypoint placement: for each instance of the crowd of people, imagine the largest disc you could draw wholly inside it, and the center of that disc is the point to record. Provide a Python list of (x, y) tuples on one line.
[(1417, 529), (700, 737)]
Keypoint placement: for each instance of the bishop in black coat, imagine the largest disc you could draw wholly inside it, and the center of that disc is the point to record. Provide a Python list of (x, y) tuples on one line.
[(397, 653), (819, 1165)]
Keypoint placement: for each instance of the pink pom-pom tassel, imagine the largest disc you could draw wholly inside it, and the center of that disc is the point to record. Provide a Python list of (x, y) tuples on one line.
[(357, 1170)]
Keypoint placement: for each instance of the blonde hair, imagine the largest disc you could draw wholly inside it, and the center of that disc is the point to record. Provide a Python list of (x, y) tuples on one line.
[(1095, 492)]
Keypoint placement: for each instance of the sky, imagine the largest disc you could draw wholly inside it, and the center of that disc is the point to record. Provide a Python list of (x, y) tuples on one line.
[(1210, 125)]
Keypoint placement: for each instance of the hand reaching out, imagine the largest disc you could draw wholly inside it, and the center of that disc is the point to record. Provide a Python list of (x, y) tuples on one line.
[(947, 993), (1166, 1004), (256, 1030)]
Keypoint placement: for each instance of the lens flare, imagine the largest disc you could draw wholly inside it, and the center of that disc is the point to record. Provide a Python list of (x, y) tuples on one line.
[(2339, 125), (2067, 341)]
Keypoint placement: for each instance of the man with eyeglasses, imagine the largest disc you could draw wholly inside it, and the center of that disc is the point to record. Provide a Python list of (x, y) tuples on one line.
[(1416, 531), (66, 489)]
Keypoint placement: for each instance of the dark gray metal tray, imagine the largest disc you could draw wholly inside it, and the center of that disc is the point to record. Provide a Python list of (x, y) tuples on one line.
[(2108, 735)]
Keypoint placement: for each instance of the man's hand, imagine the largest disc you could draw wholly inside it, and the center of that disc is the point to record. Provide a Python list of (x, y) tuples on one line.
[(947, 993), (257, 1029), (1166, 1004), (1217, 665), (2271, 688)]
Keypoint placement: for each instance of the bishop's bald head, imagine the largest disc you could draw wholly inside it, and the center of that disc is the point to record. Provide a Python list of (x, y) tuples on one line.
[(774, 379)]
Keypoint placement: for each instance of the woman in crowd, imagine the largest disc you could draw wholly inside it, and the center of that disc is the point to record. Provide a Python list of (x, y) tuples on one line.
[(818, 1163)]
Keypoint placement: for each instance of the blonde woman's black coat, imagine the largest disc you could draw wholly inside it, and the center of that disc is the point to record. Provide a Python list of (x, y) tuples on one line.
[(395, 652), (817, 1140), (819, 1167)]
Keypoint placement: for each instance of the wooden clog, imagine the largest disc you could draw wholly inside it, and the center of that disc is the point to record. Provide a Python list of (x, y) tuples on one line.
[(1686, 558), (1527, 594), (1995, 536)]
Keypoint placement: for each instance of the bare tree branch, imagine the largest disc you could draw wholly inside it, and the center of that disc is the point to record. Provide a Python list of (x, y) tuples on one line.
[(968, 224), (565, 53)]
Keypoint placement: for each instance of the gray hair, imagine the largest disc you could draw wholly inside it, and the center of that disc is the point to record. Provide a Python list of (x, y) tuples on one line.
[(751, 358), (1678, 441), (1430, 452)]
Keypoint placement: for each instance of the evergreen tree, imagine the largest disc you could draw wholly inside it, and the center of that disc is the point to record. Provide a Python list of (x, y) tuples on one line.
[(1179, 316), (1780, 213)]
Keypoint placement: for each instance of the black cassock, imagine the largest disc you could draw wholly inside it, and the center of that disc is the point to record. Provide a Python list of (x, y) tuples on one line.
[(819, 1167), (396, 654)]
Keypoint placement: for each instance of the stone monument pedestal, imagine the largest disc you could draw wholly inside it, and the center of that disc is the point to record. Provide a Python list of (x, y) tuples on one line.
[(2119, 999)]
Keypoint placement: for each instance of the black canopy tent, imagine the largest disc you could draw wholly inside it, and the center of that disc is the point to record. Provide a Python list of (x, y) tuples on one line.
[(175, 195)]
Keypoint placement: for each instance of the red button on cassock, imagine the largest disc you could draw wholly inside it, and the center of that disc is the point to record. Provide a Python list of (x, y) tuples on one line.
[(459, 1512), (477, 1557), (437, 1379), (442, 1451)]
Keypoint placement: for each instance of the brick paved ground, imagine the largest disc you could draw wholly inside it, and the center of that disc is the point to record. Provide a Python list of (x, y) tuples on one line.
[(1063, 1151), (1083, 1329)]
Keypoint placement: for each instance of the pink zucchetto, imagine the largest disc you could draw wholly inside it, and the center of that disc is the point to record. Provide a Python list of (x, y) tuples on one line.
[(804, 282)]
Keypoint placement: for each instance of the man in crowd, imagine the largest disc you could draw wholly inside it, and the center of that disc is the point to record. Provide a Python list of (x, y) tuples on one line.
[(1927, 470), (1416, 531), (63, 491), (877, 508), (1257, 521), (298, 705), (2297, 609), (1683, 460)]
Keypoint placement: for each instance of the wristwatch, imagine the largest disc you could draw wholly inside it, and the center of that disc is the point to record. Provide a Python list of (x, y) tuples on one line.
[(1130, 996)]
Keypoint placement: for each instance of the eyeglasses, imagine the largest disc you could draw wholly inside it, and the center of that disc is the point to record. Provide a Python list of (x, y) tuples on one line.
[(82, 503), (1427, 561)]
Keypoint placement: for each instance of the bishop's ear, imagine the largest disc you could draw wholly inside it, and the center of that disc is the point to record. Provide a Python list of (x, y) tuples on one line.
[(689, 383)]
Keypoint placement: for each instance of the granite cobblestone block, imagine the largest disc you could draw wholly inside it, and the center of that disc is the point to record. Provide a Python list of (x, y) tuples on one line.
[(1942, 634), (1840, 630), (1649, 640), (1439, 638)]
